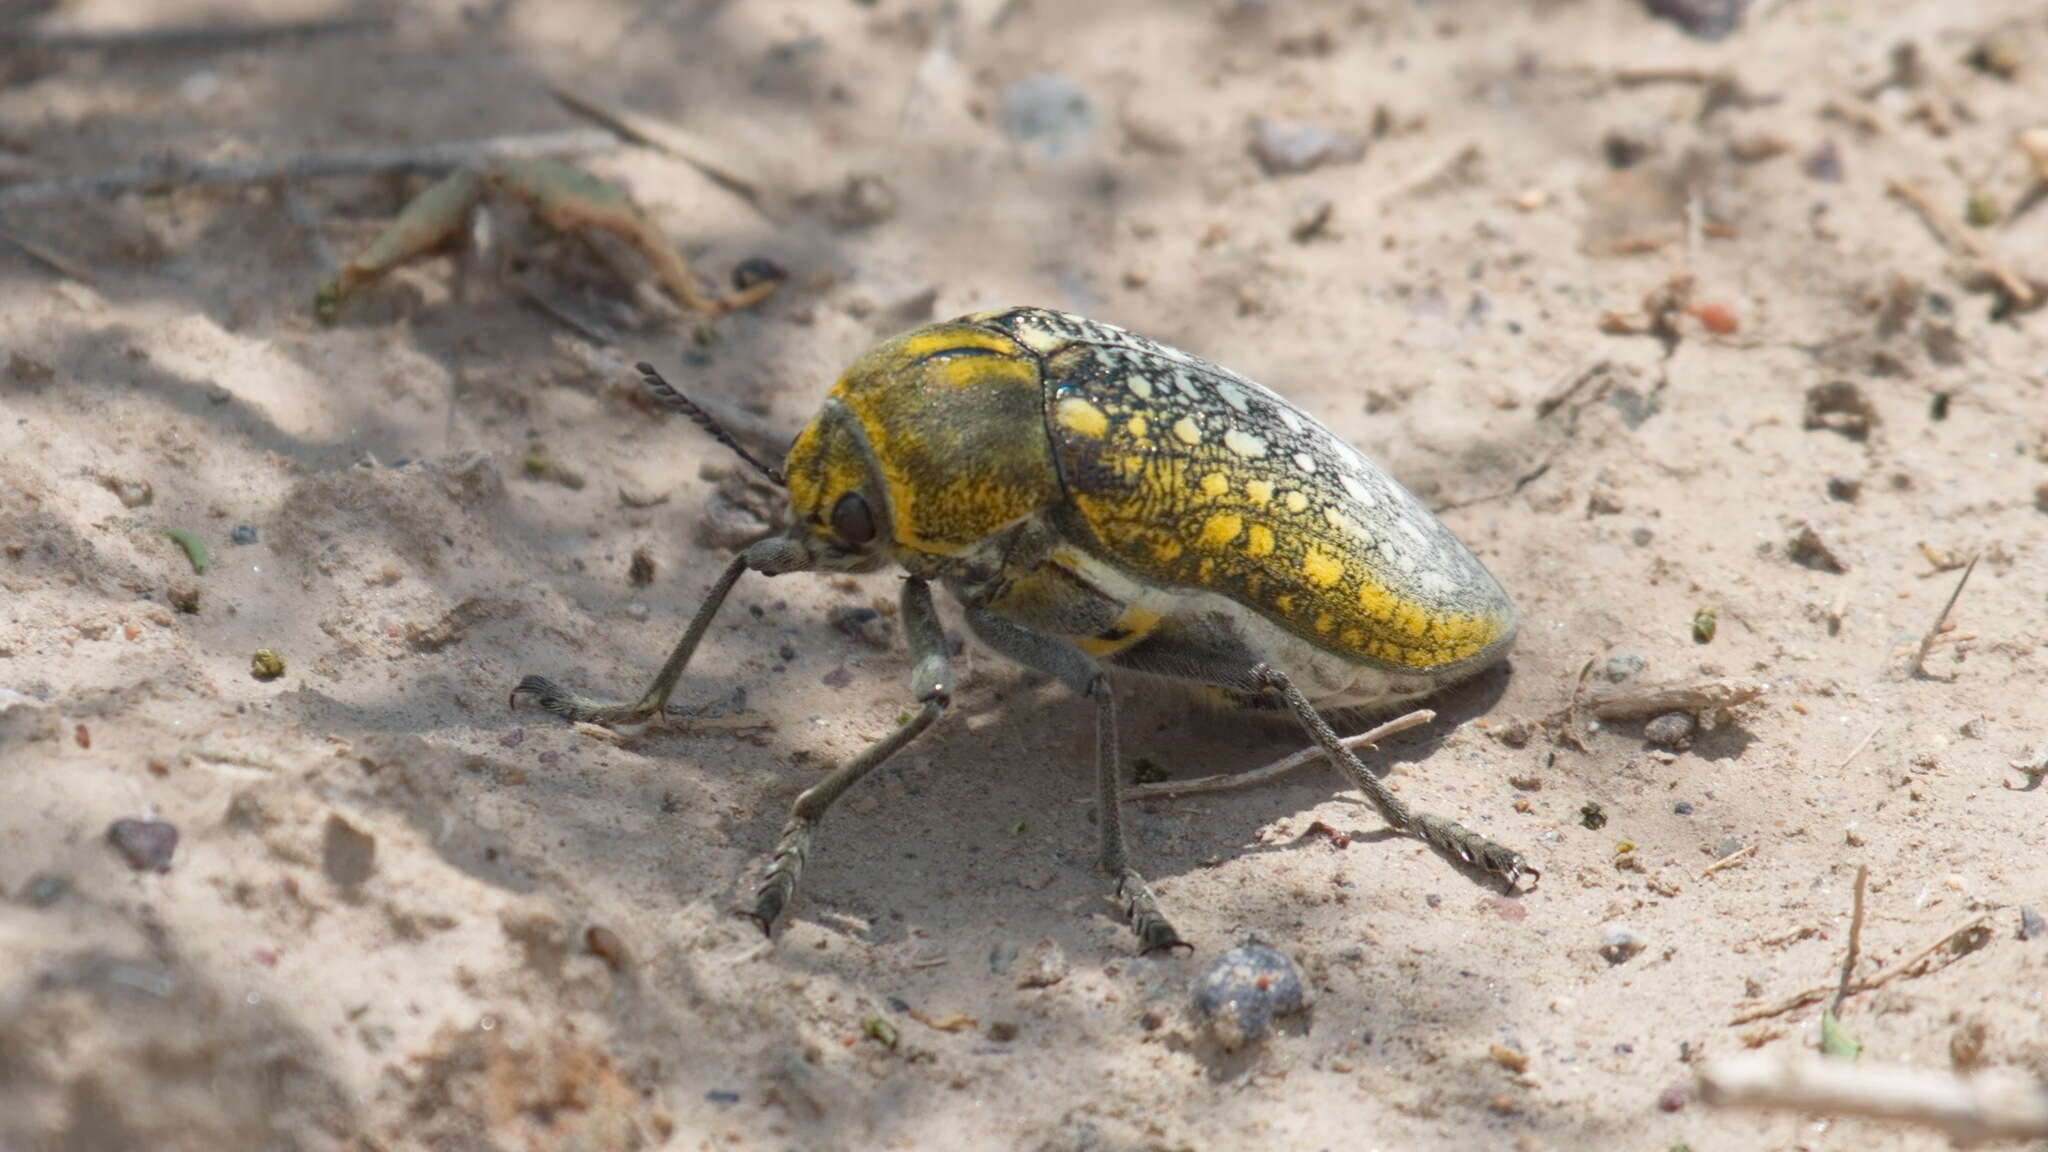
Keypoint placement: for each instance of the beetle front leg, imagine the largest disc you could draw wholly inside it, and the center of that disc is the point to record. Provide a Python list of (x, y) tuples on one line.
[(1444, 835), (931, 681)]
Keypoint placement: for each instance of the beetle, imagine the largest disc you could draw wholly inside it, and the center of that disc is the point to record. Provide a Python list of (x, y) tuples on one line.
[(1107, 509)]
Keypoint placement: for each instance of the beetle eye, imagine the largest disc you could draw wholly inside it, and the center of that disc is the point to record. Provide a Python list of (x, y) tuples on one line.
[(853, 520)]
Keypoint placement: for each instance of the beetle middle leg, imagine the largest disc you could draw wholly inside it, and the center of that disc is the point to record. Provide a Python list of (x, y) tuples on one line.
[(1446, 836), (1084, 678), (931, 681)]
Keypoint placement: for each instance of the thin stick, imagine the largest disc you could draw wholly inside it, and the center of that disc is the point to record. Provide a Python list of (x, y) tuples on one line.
[(1858, 749), (222, 33), (1234, 780), (44, 254), (163, 174), (1855, 940), (1704, 697), (1729, 861), (711, 159), (1957, 237), (1927, 641), (1987, 1106), (1911, 967)]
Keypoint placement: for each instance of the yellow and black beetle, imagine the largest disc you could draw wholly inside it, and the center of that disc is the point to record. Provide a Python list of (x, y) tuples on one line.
[(1108, 508)]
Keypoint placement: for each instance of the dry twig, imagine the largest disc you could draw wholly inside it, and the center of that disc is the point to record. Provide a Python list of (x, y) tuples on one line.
[(1960, 943), (1988, 1106), (1855, 940), (1233, 780), (1927, 641), (166, 173), (1731, 860), (708, 157), (1952, 233), (1703, 697)]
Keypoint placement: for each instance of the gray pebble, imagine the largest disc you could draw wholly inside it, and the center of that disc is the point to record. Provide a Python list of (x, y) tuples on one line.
[(46, 888), (865, 625), (2032, 927), (1044, 966), (1287, 146), (1002, 957), (1703, 19), (1623, 665), (1672, 730), (1243, 991), (1682, 808), (1620, 944), (146, 844), (243, 534), (1048, 113)]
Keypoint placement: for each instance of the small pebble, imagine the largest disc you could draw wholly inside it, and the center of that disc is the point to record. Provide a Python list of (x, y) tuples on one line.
[(1241, 992), (1682, 808), (1002, 1031), (1283, 147), (1002, 957), (721, 1096), (185, 598), (605, 944), (641, 570), (45, 889), (2032, 926), (147, 844), (1623, 665), (266, 664), (243, 534), (755, 270), (1044, 966), (1674, 1098), (865, 625), (1048, 113), (1672, 730), (1701, 19), (1620, 944)]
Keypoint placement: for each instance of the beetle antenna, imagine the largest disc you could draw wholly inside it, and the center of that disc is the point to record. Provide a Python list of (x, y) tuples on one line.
[(667, 394)]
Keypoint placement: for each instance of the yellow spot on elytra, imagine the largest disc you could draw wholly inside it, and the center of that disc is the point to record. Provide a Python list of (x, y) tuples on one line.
[(1295, 501), (1205, 570), (1139, 386), (1322, 569), (1136, 426), (1285, 604), (1188, 431), (1258, 491), (1215, 484), (1166, 550), (1244, 444), (1353, 638), (1219, 530), (1325, 622), (1259, 542), (1081, 418)]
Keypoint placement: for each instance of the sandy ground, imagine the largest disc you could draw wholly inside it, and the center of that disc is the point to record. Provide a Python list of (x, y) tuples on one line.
[(400, 915)]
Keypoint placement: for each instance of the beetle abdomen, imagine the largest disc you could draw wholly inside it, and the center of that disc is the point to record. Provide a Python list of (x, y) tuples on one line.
[(1189, 476)]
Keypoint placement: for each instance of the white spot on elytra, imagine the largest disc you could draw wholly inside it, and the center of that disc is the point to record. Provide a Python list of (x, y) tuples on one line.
[(1354, 489), (1234, 396), (1305, 462), (1189, 386), (1244, 444), (1288, 418), (1139, 386)]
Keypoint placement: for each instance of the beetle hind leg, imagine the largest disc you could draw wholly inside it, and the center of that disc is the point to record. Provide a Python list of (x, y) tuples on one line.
[(1445, 835)]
